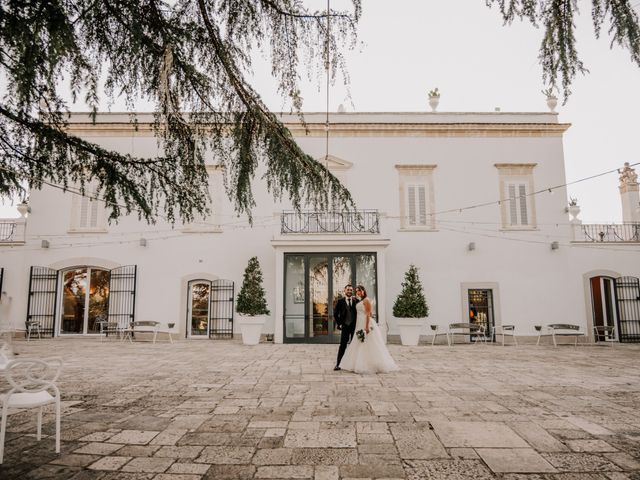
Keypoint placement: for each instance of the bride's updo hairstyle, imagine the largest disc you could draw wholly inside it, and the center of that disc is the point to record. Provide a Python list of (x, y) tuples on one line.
[(363, 290)]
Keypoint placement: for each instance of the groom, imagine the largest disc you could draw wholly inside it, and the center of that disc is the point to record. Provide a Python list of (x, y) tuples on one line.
[(344, 314)]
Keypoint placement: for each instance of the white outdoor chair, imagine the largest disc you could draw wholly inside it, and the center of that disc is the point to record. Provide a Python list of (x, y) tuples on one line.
[(33, 385), (32, 327), (505, 330)]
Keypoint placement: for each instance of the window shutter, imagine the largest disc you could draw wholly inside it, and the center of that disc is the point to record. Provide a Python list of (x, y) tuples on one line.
[(524, 220), (411, 190), (94, 213), (83, 221), (513, 208), (422, 204)]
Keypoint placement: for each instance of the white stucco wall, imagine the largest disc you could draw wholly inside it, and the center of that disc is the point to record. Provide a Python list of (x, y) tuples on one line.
[(532, 283)]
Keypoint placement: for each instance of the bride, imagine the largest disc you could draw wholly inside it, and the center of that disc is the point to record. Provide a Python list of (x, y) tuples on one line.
[(369, 355)]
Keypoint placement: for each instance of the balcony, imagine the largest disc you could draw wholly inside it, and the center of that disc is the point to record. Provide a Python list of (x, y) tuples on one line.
[(357, 222), (12, 231), (607, 233)]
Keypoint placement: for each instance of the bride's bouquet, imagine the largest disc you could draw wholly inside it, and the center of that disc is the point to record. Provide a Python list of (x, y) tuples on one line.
[(361, 334)]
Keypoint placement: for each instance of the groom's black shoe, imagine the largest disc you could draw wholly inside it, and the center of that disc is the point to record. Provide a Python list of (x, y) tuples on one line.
[(337, 368)]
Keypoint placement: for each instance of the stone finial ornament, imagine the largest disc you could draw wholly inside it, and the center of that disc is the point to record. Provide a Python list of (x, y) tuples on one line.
[(628, 176)]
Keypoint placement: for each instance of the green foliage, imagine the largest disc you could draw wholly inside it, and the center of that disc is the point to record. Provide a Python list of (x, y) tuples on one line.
[(558, 53), (411, 303), (251, 299), (190, 59), (434, 92)]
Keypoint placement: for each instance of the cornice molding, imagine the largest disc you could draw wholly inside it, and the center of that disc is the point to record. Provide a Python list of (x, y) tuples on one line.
[(500, 130)]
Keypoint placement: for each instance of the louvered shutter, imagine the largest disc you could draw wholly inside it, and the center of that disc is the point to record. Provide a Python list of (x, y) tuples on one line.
[(524, 219), (513, 207), (411, 190), (422, 204)]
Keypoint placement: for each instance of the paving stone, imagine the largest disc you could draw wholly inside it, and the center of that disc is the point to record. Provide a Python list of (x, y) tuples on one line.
[(168, 437), (336, 438), (226, 455), (417, 443), (624, 460), (230, 472), (371, 471), (285, 471), (173, 476), (148, 464), (516, 460), (99, 448), (179, 452), (580, 462), (137, 450), (538, 437), (272, 456), (477, 434), (75, 460), (190, 468), (324, 472), (133, 437), (446, 469), (324, 456), (590, 446), (109, 463)]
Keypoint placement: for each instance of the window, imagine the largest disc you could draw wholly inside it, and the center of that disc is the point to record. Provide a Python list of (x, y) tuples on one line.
[(87, 212), (517, 205), (210, 223), (416, 197)]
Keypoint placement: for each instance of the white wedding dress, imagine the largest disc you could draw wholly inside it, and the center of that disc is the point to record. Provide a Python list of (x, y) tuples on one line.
[(370, 356)]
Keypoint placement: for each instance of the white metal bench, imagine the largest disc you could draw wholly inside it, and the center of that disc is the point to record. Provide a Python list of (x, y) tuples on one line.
[(145, 326), (560, 330), (473, 330)]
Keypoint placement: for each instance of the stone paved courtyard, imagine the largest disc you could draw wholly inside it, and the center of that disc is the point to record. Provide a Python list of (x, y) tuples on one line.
[(221, 410)]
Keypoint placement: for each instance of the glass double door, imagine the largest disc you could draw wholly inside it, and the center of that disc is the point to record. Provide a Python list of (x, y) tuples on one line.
[(313, 285), (85, 300)]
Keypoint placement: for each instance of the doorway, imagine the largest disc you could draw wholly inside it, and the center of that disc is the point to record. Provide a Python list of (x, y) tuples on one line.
[(313, 283), (603, 301), (85, 300), (480, 307)]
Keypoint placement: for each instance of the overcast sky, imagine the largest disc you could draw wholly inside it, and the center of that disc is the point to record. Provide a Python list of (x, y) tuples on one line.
[(408, 47)]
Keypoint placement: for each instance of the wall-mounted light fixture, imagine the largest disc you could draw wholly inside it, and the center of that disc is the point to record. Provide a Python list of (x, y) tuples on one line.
[(44, 243), (471, 246), (555, 245), (143, 242)]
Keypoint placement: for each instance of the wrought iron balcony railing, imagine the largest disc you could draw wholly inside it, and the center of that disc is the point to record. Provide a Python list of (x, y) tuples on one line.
[(12, 231), (619, 233), (361, 221), (8, 231)]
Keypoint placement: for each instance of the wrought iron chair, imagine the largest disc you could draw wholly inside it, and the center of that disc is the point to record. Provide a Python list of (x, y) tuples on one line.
[(33, 385)]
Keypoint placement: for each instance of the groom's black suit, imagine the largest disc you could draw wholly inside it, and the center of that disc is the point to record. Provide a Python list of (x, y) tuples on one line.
[(345, 317)]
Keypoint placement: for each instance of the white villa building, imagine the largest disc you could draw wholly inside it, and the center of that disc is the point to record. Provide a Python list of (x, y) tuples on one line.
[(515, 258)]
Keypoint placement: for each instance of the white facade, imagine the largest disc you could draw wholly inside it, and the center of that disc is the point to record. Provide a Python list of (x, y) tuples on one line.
[(420, 171)]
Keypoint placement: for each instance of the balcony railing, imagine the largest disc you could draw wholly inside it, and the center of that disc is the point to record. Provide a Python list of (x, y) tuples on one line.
[(361, 221), (612, 233), (12, 231)]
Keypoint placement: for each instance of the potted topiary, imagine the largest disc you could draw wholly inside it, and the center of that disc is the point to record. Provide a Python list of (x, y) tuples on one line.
[(410, 308), (434, 99), (252, 304)]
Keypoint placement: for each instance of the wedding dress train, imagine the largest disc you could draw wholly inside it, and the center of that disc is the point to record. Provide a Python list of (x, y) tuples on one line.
[(370, 356)]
